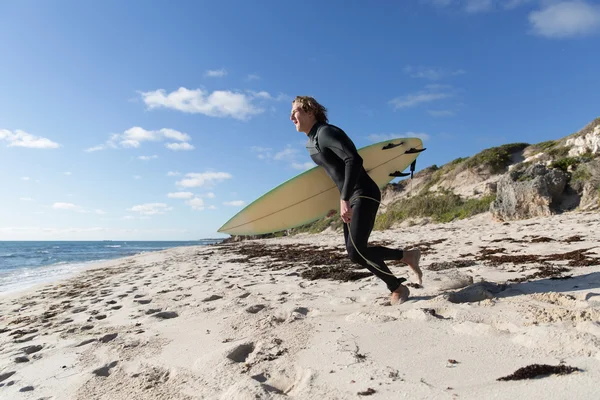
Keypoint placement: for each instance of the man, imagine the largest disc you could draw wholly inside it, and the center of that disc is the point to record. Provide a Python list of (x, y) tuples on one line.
[(331, 148)]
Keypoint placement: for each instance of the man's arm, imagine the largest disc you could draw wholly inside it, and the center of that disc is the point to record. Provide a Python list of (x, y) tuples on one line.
[(338, 142)]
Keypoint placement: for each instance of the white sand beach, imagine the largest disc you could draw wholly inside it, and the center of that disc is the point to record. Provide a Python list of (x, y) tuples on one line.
[(209, 322)]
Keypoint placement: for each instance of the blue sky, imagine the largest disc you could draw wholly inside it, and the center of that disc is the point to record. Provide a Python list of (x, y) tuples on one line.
[(160, 120)]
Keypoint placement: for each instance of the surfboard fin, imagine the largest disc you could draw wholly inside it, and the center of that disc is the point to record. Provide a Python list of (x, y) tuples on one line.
[(413, 151), (398, 173), (391, 146)]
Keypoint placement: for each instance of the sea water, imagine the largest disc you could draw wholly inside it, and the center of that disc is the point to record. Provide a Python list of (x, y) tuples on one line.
[(25, 264)]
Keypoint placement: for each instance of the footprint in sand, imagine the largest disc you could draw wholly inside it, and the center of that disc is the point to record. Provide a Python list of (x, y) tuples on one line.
[(212, 298), (241, 352), (166, 315), (105, 370), (255, 308), (108, 338)]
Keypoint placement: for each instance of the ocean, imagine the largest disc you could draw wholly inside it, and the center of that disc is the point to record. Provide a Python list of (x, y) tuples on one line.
[(25, 264)]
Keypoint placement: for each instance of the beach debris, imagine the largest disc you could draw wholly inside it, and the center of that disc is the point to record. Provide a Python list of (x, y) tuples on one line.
[(21, 359), (26, 389), (367, 392), (537, 370)]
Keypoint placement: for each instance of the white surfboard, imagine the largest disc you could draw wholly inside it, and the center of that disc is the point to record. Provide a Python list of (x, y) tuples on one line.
[(310, 195)]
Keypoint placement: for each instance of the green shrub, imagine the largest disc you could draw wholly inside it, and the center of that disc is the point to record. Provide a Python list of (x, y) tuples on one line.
[(564, 163), (495, 158), (443, 207), (559, 152)]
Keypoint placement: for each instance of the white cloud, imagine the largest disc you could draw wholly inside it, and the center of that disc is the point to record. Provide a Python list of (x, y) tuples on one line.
[(173, 173), (25, 178), (201, 179), (196, 203), (430, 73), (440, 113), (511, 4), (216, 73), (150, 208), (220, 103), (252, 77), (235, 203), (266, 96), (392, 136), (210, 195), (95, 148), (134, 136), (477, 6), (212, 207), (566, 19), (137, 177), (180, 195), (179, 146), (67, 206), (26, 199), (67, 173), (431, 93), (303, 166), (263, 152), (101, 212), (288, 153), (21, 138), (147, 158)]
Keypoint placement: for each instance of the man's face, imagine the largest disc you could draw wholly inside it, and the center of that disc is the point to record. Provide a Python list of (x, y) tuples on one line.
[(301, 119)]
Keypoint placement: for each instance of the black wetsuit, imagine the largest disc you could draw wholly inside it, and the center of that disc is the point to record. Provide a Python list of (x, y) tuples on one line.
[(331, 148)]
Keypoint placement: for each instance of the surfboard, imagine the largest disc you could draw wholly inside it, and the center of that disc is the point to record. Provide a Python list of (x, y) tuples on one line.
[(311, 195)]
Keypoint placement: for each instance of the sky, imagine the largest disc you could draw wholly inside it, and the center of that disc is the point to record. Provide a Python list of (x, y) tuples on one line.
[(161, 120)]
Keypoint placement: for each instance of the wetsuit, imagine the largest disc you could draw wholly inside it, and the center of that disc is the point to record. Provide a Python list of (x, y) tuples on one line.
[(331, 148)]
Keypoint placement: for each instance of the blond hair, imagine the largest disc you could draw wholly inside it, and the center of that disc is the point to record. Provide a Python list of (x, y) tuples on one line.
[(309, 104)]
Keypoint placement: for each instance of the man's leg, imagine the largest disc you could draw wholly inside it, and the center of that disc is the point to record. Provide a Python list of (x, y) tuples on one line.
[(378, 254), (357, 235)]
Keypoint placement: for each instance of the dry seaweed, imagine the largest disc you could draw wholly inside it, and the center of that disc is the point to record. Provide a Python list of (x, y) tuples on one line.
[(536, 370)]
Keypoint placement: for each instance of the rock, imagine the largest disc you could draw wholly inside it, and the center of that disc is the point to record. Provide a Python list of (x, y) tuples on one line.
[(587, 140), (532, 192), (477, 292), (453, 279)]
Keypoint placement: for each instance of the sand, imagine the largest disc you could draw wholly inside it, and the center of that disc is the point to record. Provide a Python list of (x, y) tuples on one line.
[(248, 321)]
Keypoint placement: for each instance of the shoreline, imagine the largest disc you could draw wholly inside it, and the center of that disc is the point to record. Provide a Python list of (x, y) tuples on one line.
[(275, 318), (55, 276)]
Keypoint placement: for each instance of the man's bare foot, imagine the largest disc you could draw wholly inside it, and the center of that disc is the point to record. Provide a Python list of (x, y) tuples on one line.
[(412, 257), (399, 295)]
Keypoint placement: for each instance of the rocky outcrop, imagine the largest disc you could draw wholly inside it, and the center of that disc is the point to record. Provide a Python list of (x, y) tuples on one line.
[(585, 181), (528, 193), (586, 141)]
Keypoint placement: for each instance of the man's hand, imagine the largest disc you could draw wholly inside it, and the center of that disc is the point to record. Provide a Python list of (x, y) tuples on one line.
[(345, 211)]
